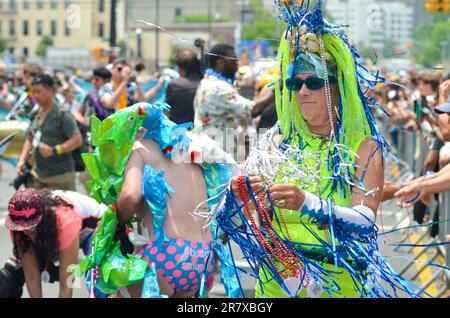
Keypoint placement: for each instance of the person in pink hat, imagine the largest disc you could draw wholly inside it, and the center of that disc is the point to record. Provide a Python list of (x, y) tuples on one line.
[(48, 227)]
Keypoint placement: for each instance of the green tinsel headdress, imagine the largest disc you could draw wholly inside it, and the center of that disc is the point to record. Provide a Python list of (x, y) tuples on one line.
[(308, 44)]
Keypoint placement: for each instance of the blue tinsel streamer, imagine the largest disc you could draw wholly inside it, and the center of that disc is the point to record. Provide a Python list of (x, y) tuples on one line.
[(358, 247)]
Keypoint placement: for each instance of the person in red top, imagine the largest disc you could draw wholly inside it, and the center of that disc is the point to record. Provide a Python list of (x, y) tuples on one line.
[(48, 227)]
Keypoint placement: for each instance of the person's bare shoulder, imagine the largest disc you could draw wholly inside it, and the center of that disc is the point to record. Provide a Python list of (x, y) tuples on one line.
[(145, 144), (149, 150)]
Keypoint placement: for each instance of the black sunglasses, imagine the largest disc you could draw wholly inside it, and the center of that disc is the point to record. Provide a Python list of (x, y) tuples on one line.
[(312, 83)]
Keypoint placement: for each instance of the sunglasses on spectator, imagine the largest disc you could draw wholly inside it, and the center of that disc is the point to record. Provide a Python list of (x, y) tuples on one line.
[(312, 83)]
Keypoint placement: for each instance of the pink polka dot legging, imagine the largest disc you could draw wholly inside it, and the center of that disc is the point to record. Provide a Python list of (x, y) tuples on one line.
[(182, 263)]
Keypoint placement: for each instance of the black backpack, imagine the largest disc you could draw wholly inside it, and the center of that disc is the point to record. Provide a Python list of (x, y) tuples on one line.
[(12, 280), (76, 154)]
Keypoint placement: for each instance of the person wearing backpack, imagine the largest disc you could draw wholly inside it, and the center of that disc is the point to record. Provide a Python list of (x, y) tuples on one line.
[(92, 105), (52, 137)]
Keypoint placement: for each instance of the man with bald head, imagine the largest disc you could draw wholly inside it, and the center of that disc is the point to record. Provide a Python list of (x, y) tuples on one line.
[(181, 92)]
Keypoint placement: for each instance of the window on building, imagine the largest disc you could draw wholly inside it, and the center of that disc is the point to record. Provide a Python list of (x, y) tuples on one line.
[(26, 4), (39, 27), (67, 30), (54, 4), (25, 52), (40, 4), (25, 28), (12, 28), (101, 30), (53, 27), (178, 12), (67, 3), (11, 51), (12, 5), (1, 5), (101, 5)]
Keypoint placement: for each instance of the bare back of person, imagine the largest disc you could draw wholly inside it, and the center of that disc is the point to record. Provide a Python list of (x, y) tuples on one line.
[(188, 182), (185, 232)]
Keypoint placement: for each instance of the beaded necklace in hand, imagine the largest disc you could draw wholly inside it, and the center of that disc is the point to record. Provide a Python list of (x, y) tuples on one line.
[(291, 263)]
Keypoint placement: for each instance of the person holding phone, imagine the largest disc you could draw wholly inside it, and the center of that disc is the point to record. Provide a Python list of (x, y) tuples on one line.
[(123, 91)]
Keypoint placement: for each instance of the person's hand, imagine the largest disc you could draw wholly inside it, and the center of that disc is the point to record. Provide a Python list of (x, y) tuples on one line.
[(45, 150), (411, 125), (389, 190), (409, 195), (19, 166), (287, 196), (444, 89), (255, 182), (126, 73)]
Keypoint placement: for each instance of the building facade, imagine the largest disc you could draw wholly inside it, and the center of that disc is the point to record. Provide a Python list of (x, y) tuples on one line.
[(374, 24), (183, 21), (398, 21), (69, 23), (175, 11)]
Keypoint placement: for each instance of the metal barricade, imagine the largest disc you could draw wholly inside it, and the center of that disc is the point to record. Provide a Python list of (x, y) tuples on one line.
[(444, 229), (411, 152)]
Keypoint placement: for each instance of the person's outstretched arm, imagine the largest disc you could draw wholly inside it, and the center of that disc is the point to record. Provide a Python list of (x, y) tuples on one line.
[(415, 191), (130, 197), (266, 97), (67, 257), (151, 93), (31, 272), (110, 100), (361, 215)]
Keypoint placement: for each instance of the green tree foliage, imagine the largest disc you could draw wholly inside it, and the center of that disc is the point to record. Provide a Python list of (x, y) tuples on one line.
[(41, 49), (430, 40), (266, 25), (122, 44)]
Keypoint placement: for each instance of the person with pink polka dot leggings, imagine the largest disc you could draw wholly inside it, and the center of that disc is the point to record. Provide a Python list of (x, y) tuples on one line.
[(182, 263)]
